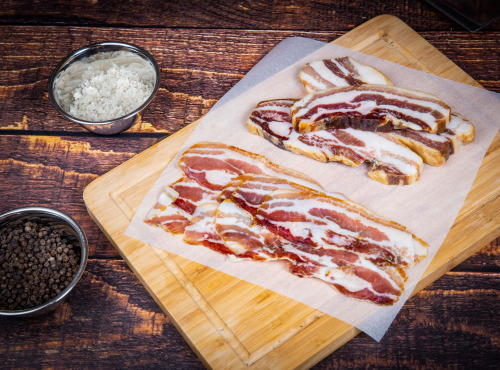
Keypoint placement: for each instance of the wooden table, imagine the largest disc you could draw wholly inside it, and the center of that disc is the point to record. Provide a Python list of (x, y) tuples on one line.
[(110, 319)]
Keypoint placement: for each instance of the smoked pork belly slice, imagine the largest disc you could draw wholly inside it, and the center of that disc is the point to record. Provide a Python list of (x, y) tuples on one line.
[(250, 190), (459, 131), (391, 162), (345, 71), (348, 272), (167, 215), (434, 149), (326, 222), (214, 165), (370, 108)]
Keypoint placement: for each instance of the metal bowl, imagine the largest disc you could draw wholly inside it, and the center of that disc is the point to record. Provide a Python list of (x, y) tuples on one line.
[(73, 233), (116, 125)]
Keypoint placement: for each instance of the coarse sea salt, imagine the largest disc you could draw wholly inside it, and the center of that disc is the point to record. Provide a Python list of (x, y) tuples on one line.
[(105, 86)]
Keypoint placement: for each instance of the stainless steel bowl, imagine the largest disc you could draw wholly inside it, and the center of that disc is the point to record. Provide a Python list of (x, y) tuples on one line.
[(73, 232), (116, 125)]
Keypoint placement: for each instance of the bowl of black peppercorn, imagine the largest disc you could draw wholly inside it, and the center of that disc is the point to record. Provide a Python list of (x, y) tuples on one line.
[(43, 254)]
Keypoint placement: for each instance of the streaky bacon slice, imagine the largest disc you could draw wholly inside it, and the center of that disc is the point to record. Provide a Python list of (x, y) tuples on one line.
[(370, 108), (214, 165), (391, 162), (327, 222), (324, 74), (348, 272)]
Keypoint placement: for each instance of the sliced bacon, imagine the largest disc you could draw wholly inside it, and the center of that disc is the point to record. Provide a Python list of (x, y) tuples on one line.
[(214, 165), (326, 222), (350, 273), (370, 108), (324, 74), (391, 162)]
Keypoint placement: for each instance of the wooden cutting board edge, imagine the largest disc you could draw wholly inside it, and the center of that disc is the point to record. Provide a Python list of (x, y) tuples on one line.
[(382, 25)]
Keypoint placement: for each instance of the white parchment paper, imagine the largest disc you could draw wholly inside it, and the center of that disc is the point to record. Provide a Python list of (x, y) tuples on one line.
[(428, 208)]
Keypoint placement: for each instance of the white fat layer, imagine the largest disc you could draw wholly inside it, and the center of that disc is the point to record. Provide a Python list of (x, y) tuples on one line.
[(165, 199), (459, 131), (312, 83), (420, 249), (275, 108), (368, 74), (397, 242), (279, 128)]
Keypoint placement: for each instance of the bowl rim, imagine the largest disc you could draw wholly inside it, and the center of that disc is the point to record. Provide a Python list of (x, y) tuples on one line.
[(74, 55), (83, 258)]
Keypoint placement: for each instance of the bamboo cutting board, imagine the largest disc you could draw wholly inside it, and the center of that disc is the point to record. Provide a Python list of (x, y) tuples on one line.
[(230, 323)]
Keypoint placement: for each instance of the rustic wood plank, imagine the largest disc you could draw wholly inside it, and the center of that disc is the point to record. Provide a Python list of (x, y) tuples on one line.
[(197, 68), (109, 314), (53, 171), (276, 15)]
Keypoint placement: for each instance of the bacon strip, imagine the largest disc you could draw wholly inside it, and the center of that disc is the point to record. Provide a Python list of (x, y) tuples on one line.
[(370, 108), (348, 272), (391, 162), (214, 165), (324, 221), (345, 71)]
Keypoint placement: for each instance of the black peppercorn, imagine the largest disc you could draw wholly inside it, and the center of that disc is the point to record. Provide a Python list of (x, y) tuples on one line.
[(34, 264)]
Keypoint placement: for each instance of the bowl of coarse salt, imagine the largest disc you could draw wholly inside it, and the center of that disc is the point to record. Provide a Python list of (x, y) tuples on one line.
[(105, 87)]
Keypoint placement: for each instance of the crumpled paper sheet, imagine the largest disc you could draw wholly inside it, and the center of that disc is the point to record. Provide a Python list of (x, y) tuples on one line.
[(428, 207)]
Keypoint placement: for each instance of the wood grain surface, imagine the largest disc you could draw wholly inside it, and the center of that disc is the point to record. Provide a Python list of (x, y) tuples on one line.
[(110, 320)]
